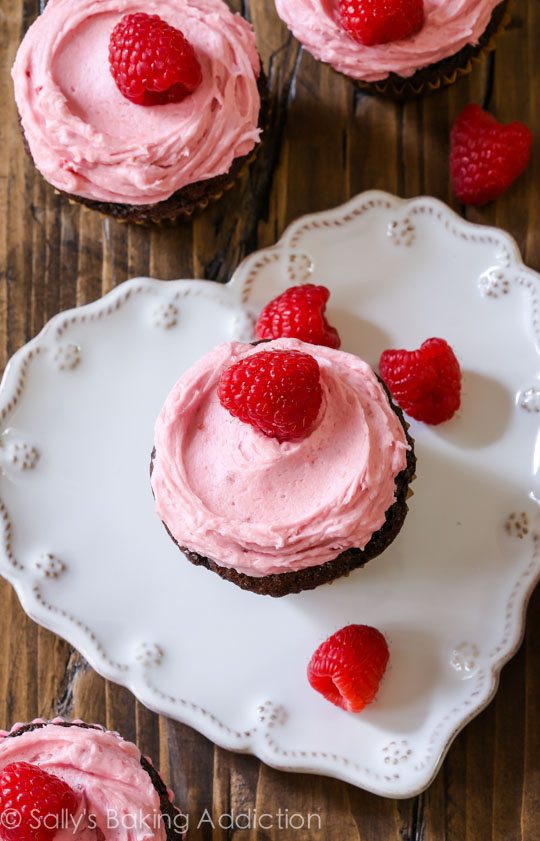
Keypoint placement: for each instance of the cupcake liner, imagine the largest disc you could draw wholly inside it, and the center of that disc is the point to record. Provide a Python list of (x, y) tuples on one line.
[(166, 797), (444, 73), (191, 200), (172, 211)]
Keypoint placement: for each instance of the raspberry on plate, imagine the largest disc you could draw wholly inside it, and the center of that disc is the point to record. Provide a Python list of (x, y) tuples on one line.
[(486, 157), (349, 666), (277, 392), (299, 313), (425, 383), (37, 802), (373, 22), (151, 62)]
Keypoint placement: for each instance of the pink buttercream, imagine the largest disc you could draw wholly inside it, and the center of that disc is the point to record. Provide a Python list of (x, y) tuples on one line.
[(117, 800), (449, 26), (88, 140), (246, 501)]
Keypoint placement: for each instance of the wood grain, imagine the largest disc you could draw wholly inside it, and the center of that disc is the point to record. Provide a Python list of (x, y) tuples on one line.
[(328, 141)]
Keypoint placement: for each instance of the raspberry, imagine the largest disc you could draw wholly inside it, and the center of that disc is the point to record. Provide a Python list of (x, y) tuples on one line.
[(298, 313), (425, 383), (486, 157), (277, 391), (380, 21), (348, 668), (37, 800), (151, 62)]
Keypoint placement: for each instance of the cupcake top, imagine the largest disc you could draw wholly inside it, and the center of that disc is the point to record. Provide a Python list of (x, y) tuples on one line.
[(114, 792), (249, 502), (87, 139), (448, 27)]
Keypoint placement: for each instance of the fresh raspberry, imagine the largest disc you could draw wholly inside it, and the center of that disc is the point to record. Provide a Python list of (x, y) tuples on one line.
[(298, 313), (36, 800), (276, 391), (425, 383), (348, 668), (380, 21), (151, 62), (486, 157)]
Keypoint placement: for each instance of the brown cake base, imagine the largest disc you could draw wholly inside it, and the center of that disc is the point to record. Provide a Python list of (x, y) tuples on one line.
[(445, 72), (282, 584), (172, 824), (191, 199)]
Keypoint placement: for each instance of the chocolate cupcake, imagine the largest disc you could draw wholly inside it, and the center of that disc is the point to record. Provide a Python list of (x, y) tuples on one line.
[(98, 786), (111, 135), (278, 517), (442, 47)]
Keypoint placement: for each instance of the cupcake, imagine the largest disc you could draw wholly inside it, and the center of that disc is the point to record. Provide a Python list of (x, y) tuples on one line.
[(401, 48), (61, 781), (281, 466), (145, 114)]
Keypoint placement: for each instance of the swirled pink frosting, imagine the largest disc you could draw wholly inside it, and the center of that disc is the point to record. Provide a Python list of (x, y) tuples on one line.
[(246, 501), (88, 140), (105, 772), (449, 26)]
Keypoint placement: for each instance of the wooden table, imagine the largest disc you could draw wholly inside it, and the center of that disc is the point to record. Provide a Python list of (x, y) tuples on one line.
[(327, 142)]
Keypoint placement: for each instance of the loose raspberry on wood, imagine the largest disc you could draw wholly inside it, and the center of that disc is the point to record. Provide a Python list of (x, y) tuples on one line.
[(486, 157)]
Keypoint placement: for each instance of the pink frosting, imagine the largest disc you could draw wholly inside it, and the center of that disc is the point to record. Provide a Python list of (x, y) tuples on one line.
[(88, 140), (106, 773), (449, 26), (248, 502)]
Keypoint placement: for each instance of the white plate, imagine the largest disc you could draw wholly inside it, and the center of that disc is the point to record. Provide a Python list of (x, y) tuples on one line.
[(91, 561)]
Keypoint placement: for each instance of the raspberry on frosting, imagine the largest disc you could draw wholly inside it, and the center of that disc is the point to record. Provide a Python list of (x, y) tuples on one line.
[(151, 62), (277, 392), (380, 21), (40, 800)]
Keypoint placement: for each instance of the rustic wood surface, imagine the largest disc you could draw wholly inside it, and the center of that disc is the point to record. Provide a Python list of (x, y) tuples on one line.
[(327, 142)]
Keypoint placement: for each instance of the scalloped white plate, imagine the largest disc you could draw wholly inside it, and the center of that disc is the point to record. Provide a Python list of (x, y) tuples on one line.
[(90, 560)]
